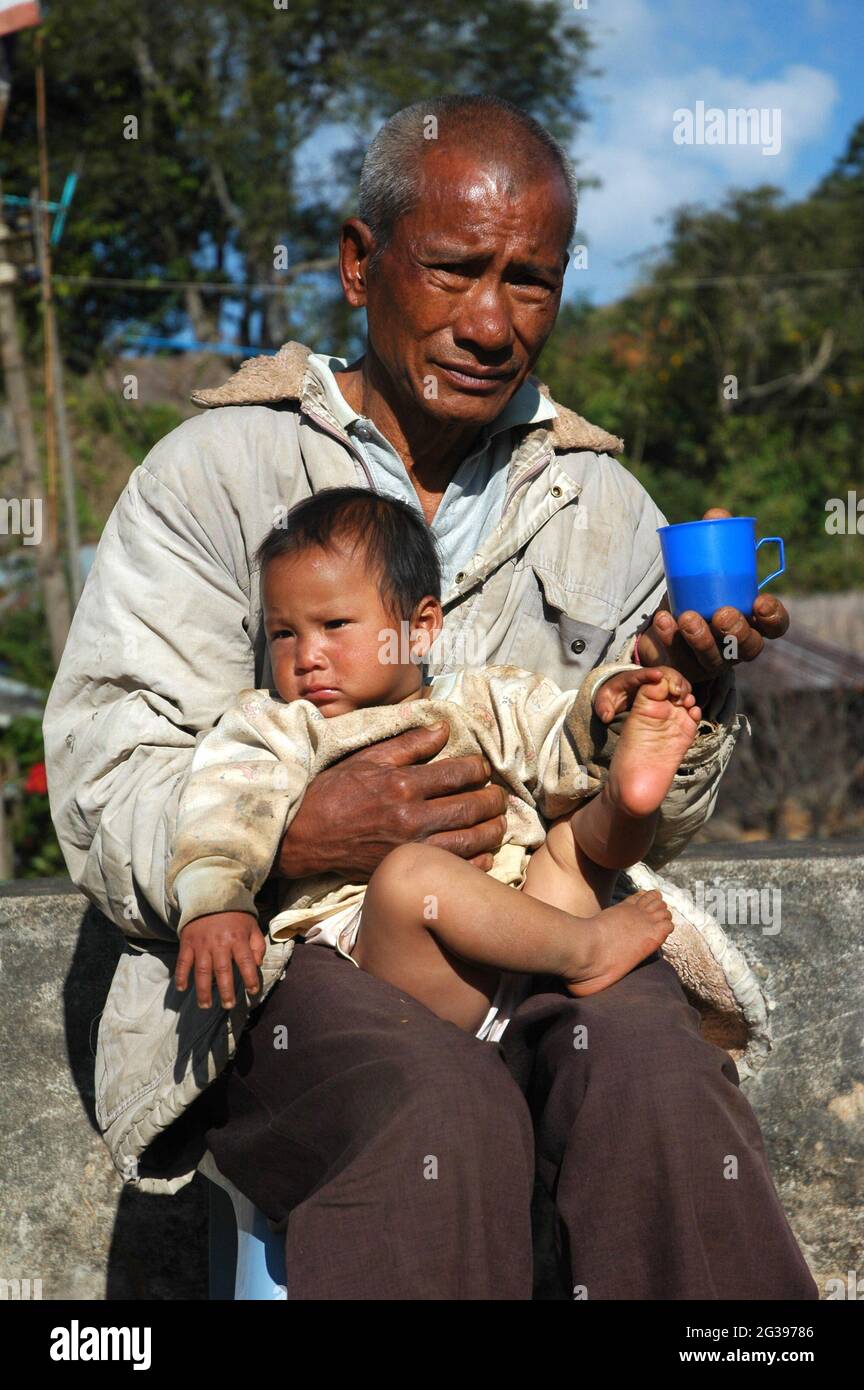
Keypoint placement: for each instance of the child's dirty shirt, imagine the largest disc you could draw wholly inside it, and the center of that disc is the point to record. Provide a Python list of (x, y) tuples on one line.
[(249, 773)]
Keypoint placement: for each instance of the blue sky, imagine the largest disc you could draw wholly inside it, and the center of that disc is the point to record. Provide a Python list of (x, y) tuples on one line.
[(801, 56)]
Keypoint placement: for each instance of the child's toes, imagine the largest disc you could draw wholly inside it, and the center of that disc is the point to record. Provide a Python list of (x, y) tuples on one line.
[(650, 897)]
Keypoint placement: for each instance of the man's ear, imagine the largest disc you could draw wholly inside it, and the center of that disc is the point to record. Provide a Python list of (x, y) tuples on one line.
[(356, 244)]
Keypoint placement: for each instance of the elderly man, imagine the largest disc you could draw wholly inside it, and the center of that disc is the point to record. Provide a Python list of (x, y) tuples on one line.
[(397, 1151)]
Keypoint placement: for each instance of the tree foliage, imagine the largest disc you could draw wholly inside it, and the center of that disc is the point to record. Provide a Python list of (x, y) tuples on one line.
[(735, 372), (225, 95)]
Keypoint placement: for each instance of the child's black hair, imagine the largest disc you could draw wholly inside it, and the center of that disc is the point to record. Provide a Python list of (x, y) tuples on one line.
[(398, 543)]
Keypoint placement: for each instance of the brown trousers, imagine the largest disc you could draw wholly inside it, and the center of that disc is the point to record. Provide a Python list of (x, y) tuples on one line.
[(398, 1152)]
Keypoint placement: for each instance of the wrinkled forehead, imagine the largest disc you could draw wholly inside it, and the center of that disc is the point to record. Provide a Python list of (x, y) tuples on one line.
[(462, 183)]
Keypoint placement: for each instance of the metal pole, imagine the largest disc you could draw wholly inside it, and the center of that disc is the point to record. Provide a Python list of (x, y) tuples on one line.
[(55, 596)]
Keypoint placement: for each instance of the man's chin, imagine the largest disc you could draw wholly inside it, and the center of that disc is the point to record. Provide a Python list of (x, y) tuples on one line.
[(461, 402)]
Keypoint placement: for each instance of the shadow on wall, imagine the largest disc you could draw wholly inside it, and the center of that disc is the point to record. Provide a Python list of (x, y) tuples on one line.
[(158, 1245)]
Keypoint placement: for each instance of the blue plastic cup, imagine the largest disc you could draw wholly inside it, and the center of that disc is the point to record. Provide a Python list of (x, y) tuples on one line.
[(710, 564)]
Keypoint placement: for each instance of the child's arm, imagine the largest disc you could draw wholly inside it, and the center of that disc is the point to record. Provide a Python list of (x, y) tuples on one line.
[(234, 808)]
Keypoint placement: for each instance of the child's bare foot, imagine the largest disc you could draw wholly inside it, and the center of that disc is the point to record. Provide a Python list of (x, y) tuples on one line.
[(625, 935), (658, 731)]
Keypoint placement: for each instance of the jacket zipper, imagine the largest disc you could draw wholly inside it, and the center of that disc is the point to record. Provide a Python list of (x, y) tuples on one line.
[(526, 478), (343, 439)]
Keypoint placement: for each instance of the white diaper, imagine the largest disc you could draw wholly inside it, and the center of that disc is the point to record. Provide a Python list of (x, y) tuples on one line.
[(339, 931)]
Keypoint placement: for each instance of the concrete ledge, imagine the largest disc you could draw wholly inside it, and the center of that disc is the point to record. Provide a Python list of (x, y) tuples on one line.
[(809, 1095), (68, 1220)]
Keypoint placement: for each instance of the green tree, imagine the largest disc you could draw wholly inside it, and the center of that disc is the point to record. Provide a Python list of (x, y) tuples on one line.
[(224, 95)]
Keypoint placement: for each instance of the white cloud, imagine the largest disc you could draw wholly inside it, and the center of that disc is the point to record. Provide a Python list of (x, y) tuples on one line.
[(648, 59)]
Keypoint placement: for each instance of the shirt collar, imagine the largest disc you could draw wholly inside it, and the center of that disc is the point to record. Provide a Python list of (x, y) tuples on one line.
[(527, 406)]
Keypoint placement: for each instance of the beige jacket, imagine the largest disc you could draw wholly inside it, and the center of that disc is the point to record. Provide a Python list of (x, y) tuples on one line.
[(168, 631)]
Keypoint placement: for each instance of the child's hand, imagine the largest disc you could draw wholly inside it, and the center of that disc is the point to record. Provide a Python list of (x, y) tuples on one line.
[(619, 692), (212, 943)]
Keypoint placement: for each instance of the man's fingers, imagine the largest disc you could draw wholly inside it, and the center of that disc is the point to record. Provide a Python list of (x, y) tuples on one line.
[(738, 641), (412, 746), (469, 842), (770, 617), (655, 641), (449, 775), (465, 811), (482, 861), (700, 639)]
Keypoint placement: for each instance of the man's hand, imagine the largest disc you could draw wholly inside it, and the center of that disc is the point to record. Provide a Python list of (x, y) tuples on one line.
[(700, 650), (212, 943), (355, 812)]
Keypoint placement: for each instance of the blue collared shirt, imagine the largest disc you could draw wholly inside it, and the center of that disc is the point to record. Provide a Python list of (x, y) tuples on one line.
[(474, 498)]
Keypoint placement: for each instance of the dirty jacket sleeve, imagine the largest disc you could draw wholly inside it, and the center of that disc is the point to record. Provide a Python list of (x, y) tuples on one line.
[(235, 808), (692, 796), (156, 652)]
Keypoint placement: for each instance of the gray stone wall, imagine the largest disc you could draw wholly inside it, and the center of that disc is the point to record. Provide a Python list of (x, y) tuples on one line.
[(68, 1221)]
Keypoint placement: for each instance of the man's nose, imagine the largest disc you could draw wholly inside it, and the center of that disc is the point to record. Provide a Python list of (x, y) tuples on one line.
[(484, 320)]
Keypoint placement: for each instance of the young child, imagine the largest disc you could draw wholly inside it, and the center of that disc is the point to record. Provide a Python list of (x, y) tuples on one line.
[(347, 573)]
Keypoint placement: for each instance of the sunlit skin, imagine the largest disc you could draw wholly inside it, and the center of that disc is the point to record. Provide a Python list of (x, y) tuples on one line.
[(327, 626), (473, 277)]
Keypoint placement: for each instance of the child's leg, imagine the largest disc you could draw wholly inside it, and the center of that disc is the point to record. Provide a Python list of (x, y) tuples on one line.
[(430, 920), (616, 827)]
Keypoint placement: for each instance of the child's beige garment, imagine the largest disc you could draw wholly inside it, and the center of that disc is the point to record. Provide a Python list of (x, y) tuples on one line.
[(249, 773)]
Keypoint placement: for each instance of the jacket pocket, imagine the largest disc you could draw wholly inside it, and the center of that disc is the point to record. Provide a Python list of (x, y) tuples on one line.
[(584, 624), (560, 633), (583, 645)]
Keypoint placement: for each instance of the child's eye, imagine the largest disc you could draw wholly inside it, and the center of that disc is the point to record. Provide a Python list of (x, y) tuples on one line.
[(337, 622)]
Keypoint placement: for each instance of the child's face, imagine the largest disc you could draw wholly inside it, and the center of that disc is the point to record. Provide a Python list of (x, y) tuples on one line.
[(332, 641)]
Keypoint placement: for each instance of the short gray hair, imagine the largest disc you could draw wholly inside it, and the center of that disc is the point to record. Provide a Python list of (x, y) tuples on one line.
[(390, 180)]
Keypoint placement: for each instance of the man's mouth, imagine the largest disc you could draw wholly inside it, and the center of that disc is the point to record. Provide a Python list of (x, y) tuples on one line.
[(481, 379)]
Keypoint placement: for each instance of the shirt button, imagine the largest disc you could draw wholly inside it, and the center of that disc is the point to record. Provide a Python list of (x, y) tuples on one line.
[(577, 646), (555, 491), (459, 577)]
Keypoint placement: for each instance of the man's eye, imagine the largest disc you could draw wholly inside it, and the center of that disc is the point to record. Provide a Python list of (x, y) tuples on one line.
[(283, 632), (532, 282), (460, 271)]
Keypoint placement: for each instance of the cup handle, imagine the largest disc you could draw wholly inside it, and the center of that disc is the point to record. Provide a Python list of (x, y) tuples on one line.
[(764, 541)]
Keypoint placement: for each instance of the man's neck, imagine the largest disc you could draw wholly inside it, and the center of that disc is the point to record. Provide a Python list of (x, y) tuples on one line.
[(430, 449)]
